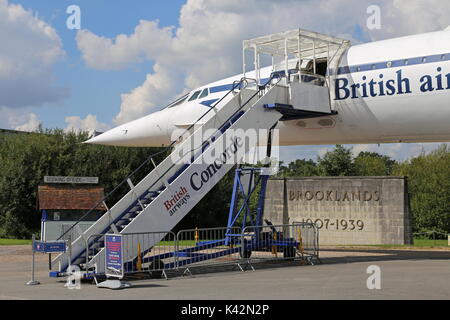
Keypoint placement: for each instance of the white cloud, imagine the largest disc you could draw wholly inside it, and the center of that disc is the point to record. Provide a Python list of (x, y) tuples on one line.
[(31, 125), (102, 53), (29, 49), (151, 94), (89, 124), (12, 118), (405, 17), (356, 149)]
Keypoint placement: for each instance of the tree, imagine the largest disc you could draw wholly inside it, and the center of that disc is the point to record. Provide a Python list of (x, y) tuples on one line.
[(338, 162), (299, 168), (429, 185), (373, 164), (26, 158)]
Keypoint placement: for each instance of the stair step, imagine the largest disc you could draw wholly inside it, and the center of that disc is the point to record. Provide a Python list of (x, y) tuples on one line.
[(83, 257), (126, 219), (96, 244)]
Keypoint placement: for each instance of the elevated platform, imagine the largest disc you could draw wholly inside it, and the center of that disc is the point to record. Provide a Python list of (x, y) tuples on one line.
[(301, 60), (298, 42)]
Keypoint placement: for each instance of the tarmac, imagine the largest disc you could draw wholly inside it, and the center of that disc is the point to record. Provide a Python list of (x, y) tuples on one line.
[(343, 274)]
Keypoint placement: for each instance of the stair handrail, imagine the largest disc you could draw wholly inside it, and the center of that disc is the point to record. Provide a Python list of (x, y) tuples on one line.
[(236, 84)]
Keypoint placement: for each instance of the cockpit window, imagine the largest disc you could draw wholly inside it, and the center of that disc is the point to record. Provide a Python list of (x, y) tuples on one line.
[(195, 95), (178, 101), (204, 93)]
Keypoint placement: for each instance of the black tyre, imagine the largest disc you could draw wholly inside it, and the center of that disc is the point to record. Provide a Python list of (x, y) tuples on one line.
[(246, 254), (289, 252)]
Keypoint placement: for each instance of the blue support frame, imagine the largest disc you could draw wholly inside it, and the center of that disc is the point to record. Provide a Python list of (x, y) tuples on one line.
[(240, 207), (239, 192)]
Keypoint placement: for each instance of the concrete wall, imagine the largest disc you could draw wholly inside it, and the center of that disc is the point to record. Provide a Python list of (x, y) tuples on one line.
[(347, 210)]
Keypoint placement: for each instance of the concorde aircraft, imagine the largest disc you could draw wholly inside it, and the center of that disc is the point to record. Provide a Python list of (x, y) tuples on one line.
[(389, 91)]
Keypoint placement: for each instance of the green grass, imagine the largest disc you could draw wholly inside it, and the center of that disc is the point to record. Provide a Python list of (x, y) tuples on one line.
[(190, 243), (14, 242), (430, 243), (417, 243)]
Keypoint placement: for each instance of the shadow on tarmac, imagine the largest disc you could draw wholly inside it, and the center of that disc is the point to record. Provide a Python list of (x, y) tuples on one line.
[(330, 256), (357, 255)]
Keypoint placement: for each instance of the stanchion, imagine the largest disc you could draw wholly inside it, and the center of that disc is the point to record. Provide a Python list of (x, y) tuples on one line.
[(33, 282)]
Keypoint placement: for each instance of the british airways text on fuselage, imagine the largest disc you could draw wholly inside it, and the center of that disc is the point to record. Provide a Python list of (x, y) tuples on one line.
[(380, 86)]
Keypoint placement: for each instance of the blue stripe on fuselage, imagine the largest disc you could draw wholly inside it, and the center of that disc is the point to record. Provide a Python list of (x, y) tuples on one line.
[(360, 68), (394, 64), (208, 103)]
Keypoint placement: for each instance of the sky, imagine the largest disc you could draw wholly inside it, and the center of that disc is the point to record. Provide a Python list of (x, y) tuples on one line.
[(131, 58)]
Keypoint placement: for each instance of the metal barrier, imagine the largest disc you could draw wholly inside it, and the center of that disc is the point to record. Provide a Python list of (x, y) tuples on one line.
[(298, 241), (154, 253), (206, 247), (157, 259), (147, 252)]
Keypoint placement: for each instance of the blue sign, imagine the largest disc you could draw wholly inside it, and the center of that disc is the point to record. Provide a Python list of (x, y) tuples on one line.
[(114, 255), (49, 247)]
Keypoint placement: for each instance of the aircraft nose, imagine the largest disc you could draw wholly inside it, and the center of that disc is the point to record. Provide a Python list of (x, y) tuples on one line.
[(149, 131)]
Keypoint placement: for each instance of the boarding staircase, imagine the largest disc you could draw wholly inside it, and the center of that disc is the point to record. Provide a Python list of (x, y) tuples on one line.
[(150, 205), (154, 205)]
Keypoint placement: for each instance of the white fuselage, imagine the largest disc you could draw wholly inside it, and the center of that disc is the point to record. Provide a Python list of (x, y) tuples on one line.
[(396, 90)]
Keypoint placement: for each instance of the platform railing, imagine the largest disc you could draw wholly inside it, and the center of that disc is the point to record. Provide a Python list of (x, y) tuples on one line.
[(309, 78)]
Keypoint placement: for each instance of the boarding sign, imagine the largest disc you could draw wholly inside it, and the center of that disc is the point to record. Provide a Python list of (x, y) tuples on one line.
[(114, 255), (71, 180), (49, 247)]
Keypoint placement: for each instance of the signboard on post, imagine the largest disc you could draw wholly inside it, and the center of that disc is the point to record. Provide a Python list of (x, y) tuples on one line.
[(49, 247), (44, 247), (114, 255)]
